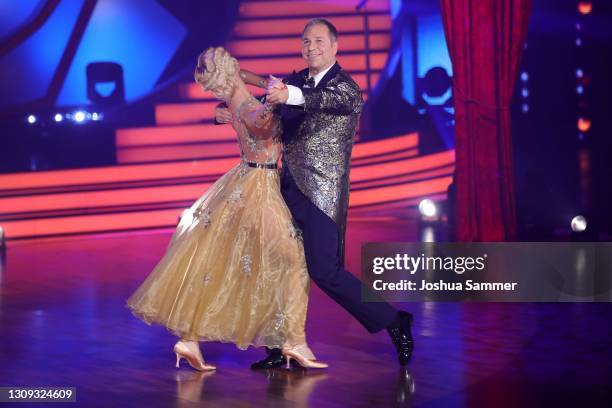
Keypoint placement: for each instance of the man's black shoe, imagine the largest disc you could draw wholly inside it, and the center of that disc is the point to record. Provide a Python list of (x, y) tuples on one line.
[(273, 360), (401, 335)]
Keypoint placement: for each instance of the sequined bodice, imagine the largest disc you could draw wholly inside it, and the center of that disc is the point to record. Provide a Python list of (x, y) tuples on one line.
[(259, 132)]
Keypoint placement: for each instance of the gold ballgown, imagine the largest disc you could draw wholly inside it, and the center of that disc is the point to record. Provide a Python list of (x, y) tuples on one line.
[(234, 270)]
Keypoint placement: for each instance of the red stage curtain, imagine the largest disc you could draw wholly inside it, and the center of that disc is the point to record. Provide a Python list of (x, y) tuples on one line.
[(485, 40)]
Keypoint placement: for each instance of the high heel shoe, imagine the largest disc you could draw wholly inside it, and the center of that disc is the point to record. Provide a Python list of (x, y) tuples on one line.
[(182, 351), (293, 353)]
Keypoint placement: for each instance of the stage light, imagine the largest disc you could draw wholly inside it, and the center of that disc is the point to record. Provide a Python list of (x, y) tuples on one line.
[(585, 7), (584, 124), (427, 208), (32, 119), (58, 117), (525, 108), (578, 42), (578, 26), (96, 116), (79, 116), (580, 89), (525, 92), (524, 77), (579, 73), (578, 224)]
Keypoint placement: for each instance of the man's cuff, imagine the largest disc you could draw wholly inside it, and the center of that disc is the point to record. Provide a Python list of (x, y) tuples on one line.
[(296, 97)]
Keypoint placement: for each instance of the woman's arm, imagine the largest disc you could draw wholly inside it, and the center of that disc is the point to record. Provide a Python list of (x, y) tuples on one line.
[(253, 79)]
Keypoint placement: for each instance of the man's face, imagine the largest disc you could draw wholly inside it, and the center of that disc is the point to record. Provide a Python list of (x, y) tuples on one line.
[(318, 50)]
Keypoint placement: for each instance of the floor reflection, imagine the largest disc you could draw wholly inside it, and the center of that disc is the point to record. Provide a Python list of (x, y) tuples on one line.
[(63, 323)]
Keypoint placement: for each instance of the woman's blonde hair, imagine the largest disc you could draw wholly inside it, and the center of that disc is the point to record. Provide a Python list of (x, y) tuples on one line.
[(216, 72)]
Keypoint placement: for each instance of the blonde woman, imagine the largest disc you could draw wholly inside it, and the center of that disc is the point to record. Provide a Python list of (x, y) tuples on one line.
[(234, 270)]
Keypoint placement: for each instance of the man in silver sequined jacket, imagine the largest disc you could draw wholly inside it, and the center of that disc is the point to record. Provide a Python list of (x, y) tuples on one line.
[(320, 110)]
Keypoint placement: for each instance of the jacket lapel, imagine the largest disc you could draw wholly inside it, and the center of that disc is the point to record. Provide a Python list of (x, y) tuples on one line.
[(333, 71)]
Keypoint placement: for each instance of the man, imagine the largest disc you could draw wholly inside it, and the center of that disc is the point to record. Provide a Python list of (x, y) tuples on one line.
[(320, 110)]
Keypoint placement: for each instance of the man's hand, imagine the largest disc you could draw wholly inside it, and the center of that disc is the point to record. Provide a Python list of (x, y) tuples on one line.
[(276, 96), (277, 91), (223, 115)]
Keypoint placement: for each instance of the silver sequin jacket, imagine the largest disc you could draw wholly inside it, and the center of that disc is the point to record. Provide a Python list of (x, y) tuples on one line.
[(318, 141)]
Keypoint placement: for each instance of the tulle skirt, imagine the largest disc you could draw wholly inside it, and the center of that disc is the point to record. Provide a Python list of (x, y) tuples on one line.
[(234, 270)]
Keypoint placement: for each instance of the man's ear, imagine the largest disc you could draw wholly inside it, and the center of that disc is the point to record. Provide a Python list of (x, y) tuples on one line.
[(335, 47)]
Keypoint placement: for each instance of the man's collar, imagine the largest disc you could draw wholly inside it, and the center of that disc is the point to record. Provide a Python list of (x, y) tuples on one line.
[(320, 75), (330, 73)]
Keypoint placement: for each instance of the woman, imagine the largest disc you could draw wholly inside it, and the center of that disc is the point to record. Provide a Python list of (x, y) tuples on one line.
[(234, 270)]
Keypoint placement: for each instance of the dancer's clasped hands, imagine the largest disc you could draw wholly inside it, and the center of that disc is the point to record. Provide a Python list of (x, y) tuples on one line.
[(277, 91)]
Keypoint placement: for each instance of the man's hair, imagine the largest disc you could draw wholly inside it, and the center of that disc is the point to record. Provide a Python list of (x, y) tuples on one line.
[(333, 32)]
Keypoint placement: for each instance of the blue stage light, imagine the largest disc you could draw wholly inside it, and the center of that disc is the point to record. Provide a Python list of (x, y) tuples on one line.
[(580, 89), (579, 73), (525, 92), (32, 119), (58, 117), (524, 76), (525, 108)]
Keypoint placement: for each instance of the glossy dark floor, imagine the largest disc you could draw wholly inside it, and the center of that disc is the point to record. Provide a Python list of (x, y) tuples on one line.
[(63, 323)]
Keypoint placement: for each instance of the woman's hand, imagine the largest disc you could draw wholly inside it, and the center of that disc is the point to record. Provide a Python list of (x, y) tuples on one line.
[(223, 115), (275, 83)]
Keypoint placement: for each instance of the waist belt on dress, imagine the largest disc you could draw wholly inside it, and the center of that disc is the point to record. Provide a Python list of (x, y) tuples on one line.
[(269, 166)]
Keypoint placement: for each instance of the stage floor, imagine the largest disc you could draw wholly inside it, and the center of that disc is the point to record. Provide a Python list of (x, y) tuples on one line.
[(63, 323)]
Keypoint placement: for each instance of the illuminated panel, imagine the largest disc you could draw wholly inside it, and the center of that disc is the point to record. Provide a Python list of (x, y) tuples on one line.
[(288, 46), (16, 14), (126, 196), (165, 170), (166, 153), (286, 65), (92, 223), (431, 45), (115, 174), (176, 113), (393, 149), (400, 208), (401, 155), (373, 172), (168, 217), (294, 26), (173, 135), (318, 8), (29, 68), (376, 147), (136, 34), (102, 198), (421, 175), (399, 192)]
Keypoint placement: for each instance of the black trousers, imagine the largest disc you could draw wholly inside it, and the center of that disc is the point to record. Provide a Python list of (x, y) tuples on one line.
[(320, 235)]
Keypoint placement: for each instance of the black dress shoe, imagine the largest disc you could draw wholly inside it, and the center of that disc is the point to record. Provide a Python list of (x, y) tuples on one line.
[(273, 360), (401, 335)]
